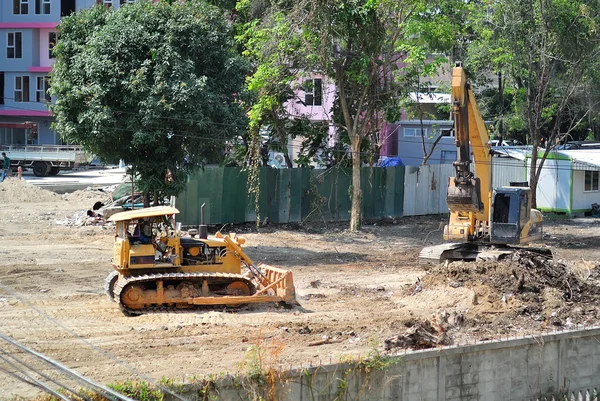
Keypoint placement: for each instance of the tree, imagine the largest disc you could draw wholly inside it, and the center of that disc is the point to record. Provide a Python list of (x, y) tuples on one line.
[(549, 48), (361, 45), (153, 84)]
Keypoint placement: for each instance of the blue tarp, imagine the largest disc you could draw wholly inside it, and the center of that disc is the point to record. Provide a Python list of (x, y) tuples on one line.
[(391, 162)]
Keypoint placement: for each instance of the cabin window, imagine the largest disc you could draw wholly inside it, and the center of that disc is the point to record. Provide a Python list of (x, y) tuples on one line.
[(591, 181)]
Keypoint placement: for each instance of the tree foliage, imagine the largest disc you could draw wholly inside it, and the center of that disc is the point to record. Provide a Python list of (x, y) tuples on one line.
[(153, 84), (360, 45), (549, 50)]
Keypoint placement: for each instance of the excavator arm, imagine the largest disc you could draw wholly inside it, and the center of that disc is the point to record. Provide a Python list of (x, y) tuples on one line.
[(468, 191), (486, 224)]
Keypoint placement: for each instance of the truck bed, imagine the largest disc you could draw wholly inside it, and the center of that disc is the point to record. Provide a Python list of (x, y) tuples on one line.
[(53, 153)]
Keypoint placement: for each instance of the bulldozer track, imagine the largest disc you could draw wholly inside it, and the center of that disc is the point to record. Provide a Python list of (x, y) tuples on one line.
[(109, 284), (123, 282)]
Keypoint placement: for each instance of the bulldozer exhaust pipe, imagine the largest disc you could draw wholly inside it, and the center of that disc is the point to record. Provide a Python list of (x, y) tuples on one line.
[(202, 228)]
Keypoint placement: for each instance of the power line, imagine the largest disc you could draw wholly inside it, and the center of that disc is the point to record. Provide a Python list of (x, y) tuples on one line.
[(289, 145), (32, 380)]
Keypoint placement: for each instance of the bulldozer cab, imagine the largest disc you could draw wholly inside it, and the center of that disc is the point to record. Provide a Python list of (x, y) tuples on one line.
[(510, 214), (144, 238)]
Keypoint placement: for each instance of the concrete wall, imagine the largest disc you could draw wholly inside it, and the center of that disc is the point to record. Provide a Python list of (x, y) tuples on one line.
[(523, 369)]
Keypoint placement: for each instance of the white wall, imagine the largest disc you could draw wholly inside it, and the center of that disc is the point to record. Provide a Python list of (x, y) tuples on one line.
[(554, 186), (582, 200)]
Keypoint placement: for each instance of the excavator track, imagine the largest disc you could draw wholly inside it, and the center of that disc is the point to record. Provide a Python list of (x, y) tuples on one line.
[(469, 251), (123, 283)]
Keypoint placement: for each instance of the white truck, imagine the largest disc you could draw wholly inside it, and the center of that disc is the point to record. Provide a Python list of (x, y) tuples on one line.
[(45, 160)]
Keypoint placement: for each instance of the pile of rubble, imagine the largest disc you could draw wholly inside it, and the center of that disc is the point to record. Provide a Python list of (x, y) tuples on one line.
[(81, 219), (423, 334), (522, 294), (525, 276), (103, 207)]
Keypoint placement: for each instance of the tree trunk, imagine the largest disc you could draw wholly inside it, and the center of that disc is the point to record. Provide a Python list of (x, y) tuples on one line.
[(356, 212), (146, 199), (533, 168), (288, 160)]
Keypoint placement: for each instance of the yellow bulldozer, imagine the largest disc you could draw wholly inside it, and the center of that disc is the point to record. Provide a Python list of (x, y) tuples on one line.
[(156, 268)]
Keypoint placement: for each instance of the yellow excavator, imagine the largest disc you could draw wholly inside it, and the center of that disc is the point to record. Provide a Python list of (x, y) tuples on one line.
[(156, 268), (489, 223)]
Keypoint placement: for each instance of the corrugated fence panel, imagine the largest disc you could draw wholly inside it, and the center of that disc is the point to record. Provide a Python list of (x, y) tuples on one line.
[(506, 170), (290, 195), (394, 195), (425, 189), (426, 186)]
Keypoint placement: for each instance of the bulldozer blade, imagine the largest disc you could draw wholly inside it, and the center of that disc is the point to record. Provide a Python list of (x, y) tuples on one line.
[(464, 197), (275, 285), (278, 281)]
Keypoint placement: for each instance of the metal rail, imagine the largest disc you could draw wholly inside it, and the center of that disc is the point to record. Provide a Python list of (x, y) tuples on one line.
[(99, 388), (96, 348)]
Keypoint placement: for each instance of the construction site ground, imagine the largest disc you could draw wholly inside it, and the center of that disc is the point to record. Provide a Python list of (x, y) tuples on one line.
[(355, 289)]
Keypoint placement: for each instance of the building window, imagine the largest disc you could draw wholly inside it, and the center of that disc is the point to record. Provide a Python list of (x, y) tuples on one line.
[(591, 181), (14, 47), (22, 89), (42, 6), (448, 156), (51, 43), (446, 132), (127, 1), (41, 92), (1, 87), (409, 132), (67, 7), (20, 6), (313, 92)]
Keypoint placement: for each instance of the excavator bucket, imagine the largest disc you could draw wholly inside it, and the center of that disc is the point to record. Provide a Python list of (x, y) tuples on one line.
[(464, 197)]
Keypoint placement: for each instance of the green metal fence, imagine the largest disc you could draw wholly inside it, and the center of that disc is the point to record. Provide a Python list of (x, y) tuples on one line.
[(290, 195)]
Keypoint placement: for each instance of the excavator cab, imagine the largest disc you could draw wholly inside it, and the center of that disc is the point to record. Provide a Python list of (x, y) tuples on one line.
[(513, 221)]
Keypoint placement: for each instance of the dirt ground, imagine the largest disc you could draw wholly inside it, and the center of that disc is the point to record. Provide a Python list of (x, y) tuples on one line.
[(356, 289)]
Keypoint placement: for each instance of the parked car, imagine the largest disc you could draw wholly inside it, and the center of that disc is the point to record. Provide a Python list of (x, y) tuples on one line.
[(507, 142), (571, 145)]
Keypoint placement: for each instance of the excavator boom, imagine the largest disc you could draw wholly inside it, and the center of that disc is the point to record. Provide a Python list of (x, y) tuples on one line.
[(484, 220), (468, 192)]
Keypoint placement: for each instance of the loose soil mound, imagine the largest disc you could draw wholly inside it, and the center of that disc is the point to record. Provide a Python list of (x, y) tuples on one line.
[(89, 194), (13, 190), (524, 276), (525, 285)]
